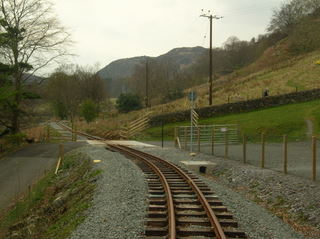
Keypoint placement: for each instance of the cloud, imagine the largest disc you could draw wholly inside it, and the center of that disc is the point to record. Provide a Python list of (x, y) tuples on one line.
[(106, 30)]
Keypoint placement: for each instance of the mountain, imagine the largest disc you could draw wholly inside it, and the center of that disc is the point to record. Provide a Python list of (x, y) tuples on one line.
[(118, 71)]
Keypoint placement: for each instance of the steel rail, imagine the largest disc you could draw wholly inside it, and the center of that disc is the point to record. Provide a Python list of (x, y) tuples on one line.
[(172, 234), (216, 226), (78, 132)]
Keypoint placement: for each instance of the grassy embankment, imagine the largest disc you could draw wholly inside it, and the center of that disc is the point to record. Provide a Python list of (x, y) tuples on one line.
[(55, 205), (276, 121)]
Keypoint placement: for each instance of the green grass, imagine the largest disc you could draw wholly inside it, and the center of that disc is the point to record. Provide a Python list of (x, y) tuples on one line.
[(56, 223), (274, 122), (23, 207)]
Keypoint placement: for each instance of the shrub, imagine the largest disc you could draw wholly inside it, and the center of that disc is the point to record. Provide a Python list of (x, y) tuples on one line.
[(172, 95), (128, 102), (89, 110), (15, 139)]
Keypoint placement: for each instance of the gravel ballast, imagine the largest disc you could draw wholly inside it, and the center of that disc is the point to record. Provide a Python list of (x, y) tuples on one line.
[(119, 205), (254, 219)]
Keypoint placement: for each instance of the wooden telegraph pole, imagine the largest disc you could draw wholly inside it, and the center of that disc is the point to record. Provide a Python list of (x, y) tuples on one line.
[(211, 17), (147, 83)]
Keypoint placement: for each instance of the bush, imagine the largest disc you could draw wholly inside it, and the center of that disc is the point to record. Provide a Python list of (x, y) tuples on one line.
[(89, 110), (60, 110), (15, 139), (128, 102), (172, 95)]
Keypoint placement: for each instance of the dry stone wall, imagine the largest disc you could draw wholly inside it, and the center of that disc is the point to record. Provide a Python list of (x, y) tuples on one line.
[(239, 107)]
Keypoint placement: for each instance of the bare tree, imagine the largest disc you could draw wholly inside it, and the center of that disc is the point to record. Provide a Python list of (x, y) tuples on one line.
[(289, 14), (71, 85), (34, 39)]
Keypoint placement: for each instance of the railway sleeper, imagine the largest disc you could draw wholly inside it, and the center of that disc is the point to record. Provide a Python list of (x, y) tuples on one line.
[(219, 215), (156, 231), (185, 221), (157, 222), (190, 192), (157, 202), (212, 202), (200, 208)]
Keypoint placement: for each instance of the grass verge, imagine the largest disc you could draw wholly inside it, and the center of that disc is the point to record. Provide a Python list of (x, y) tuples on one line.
[(55, 205)]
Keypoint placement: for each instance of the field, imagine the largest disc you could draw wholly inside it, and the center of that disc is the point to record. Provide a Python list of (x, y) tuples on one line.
[(276, 121)]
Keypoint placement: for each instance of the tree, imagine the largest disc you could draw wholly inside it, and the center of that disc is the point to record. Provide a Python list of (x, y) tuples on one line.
[(290, 13), (71, 85), (128, 102), (64, 91), (89, 110), (32, 38)]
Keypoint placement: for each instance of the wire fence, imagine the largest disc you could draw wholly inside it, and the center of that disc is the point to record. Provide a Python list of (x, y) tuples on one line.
[(279, 153)]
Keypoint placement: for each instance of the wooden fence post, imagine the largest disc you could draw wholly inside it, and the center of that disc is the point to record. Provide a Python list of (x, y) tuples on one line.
[(61, 157), (285, 154), (244, 149), (314, 158), (212, 142), (226, 143), (262, 150), (199, 142)]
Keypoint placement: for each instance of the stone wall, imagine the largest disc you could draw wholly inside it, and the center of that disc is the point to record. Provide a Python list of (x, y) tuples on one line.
[(239, 107)]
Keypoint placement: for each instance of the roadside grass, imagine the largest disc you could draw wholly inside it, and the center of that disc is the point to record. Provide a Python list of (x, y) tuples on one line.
[(273, 122), (55, 205)]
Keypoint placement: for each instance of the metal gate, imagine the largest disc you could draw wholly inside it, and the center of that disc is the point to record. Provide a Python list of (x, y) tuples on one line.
[(206, 135)]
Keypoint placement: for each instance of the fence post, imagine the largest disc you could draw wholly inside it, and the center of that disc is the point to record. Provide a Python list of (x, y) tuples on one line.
[(263, 150), (244, 149), (61, 157), (212, 142), (199, 140), (226, 143), (314, 158), (185, 138), (285, 154)]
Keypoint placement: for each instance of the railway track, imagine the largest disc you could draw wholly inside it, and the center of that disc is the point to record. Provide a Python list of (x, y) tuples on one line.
[(180, 204)]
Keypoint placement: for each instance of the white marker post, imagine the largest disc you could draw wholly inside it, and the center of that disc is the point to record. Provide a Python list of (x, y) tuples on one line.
[(192, 97)]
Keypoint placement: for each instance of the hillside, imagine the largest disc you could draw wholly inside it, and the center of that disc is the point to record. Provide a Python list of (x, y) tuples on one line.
[(117, 72)]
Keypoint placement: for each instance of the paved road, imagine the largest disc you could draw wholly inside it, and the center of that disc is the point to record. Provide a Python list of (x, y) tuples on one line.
[(22, 168), (299, 156)]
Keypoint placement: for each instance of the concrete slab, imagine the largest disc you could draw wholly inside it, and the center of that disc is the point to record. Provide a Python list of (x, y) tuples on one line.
[(129, 143), (96, 142), (199, 166)]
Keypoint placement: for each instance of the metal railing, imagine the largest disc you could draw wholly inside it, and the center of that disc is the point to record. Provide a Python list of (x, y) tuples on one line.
[(204, 135)]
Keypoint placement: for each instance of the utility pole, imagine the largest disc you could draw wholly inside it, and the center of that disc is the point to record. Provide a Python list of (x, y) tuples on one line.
[(147, 84), (211, 17)]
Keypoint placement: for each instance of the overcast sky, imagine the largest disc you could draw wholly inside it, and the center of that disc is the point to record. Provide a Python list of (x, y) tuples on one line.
[(107, 30)]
